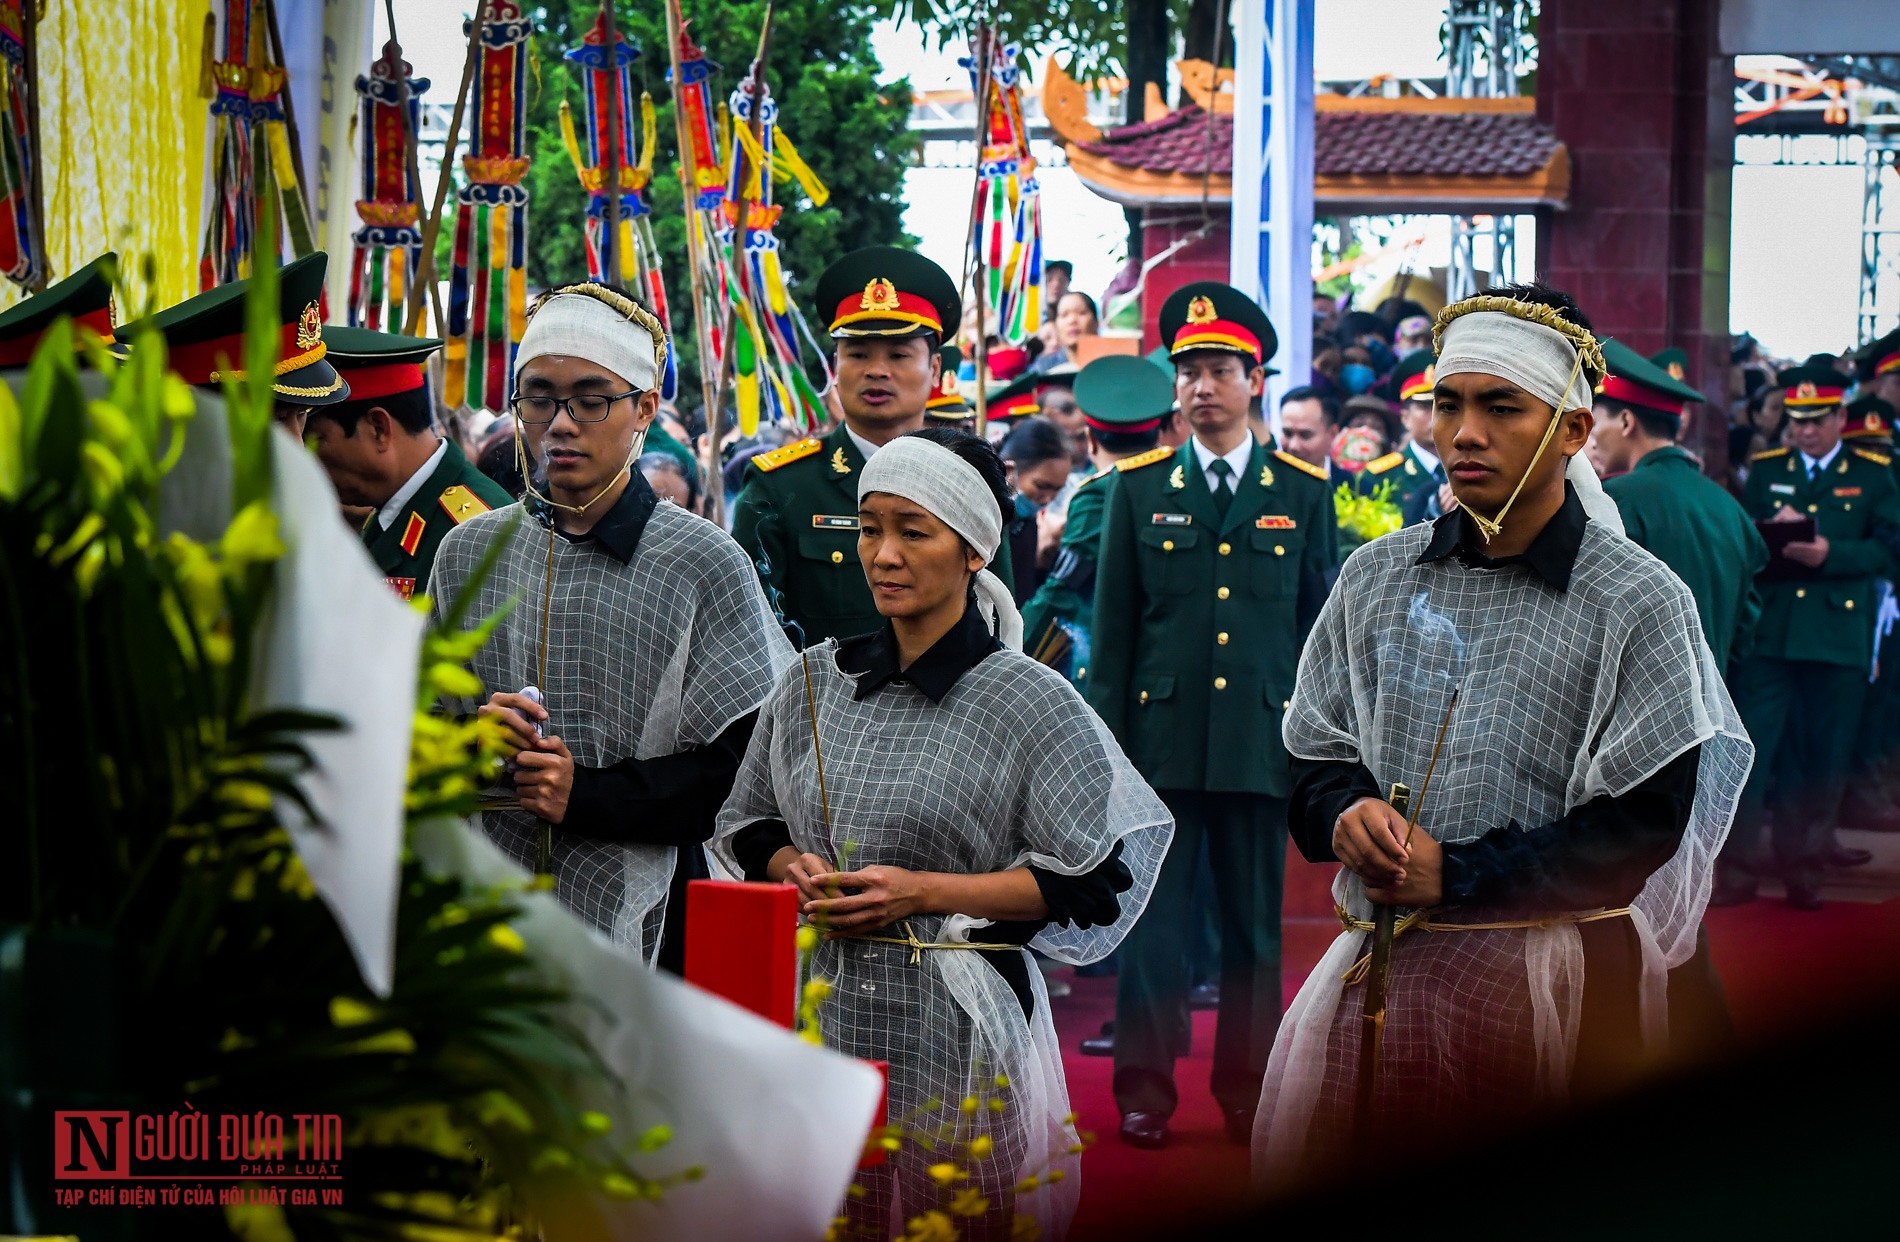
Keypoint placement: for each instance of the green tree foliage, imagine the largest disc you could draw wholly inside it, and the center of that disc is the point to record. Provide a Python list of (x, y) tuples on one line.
[(821, 70)]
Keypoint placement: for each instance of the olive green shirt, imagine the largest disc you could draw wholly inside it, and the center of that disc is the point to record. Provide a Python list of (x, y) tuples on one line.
[(1689, 523), (453, 493), (1068, 593), (1828, 617)]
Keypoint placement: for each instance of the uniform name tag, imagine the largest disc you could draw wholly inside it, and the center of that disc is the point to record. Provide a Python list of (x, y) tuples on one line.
[(1275, 521), (1847, 491), (405, 587), (828, 521), (1785, 489), (1173, 519)]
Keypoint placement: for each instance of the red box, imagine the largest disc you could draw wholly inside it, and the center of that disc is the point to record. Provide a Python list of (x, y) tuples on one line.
[(742, 944)]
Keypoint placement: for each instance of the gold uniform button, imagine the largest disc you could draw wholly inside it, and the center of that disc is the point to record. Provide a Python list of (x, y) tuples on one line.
[(1221, 638), (1167, 545), (1225, 548), (1286, 704), (1220, 683), (1850, 608), (1223, 593), (1279, 549), (1801, 593), (1144, 698), (1814, 508)]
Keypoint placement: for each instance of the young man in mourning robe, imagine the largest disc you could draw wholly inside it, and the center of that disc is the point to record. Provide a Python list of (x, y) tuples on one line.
[(1590, 764), (631, 669)]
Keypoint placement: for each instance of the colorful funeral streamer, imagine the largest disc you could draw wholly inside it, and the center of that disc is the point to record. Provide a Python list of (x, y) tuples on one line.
[(704, 160), (629, 258), (488, 282), (1009, 201), (22, 249), (388, 247), (768, 362), (250, 148)]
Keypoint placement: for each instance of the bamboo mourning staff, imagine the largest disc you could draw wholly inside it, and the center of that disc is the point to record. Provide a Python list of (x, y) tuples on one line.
[(1379, 963)]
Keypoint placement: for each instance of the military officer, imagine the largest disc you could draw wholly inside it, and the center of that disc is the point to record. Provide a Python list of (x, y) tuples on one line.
[(797, 515), (1672, 362), (85, 297), (1010, 404), (1213, 564), (1799, 692), (1868, 801), (1126, 404), (205, 337), (1414, 469), (947, 407), (383, 453), (1669, 506)]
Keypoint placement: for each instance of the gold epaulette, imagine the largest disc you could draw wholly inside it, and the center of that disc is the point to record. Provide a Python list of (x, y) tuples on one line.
[(1765, 454), (1383, 464), (1878, 459), (1098, 475), (787, 454), (1300, 463), (461, 504), (1148, 458)]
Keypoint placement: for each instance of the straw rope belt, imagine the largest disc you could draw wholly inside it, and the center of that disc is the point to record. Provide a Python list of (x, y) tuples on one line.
[(1422, 921), (917, 946)]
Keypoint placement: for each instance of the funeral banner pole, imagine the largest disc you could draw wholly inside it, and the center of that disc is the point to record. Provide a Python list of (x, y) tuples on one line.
[(290, 107), (612, 261), (715, 414), (415, 176), (980, 55), (741, 236), (35, 184), (432, 225)]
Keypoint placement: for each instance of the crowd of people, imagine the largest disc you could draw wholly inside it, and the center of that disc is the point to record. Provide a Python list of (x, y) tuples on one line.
[(1062, 694)]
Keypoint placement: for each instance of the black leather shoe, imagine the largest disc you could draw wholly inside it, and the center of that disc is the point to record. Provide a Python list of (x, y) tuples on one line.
[(1239, 1125), (1149, 1130), (1849, 856), (1732, 892), (1102, 1045), (1802, 897), (1206, 996)]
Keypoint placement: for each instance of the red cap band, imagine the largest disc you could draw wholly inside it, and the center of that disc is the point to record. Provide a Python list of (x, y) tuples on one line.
[(1805, 395), (1216, 334), (385, 380), (207, 361), (1620, 389), (1889, 363), (882, 302), (19, 351), (1133, 429)]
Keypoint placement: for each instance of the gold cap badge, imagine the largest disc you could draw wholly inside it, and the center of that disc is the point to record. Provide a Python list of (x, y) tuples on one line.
[(309, 328), (1201, 310), (1676, 371), (879, 295), (1806, 392)]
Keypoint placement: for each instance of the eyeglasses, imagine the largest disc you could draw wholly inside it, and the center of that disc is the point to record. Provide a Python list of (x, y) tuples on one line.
[(588, 407)]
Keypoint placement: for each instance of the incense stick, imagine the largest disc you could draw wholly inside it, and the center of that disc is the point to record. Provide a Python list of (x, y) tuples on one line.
[(1411, 824), (817, 750)]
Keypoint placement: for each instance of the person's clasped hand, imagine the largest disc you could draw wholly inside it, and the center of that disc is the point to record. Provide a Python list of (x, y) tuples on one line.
[(544, 767), (1369, 838)]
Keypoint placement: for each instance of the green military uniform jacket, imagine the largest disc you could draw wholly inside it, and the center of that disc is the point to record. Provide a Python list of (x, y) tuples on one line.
[(1198, 618), (1689, 523), (1856, 507), (452, 494), (1068, 594), (797, 518), (1408, 475)]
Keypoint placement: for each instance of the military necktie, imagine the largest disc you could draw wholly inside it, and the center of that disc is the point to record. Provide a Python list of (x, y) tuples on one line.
[(1224, 491)]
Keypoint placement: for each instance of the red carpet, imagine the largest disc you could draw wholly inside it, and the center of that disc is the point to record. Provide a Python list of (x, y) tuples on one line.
[(1778, 966)]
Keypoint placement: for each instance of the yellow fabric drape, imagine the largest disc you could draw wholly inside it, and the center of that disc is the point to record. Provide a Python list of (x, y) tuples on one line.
[(122, 140)]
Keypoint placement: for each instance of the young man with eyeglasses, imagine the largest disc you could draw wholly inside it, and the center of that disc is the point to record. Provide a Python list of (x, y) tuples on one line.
[(630, 672)]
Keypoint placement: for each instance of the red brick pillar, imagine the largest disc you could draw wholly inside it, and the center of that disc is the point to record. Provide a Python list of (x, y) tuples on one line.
[(1202, 258), (1639, 93)]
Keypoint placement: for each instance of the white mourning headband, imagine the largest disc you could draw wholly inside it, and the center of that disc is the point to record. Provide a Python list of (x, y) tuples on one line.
[(595, 323), (952, 490), (1522, 346)]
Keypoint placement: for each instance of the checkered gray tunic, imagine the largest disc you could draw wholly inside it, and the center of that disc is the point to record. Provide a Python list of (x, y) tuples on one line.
[(1563, 696), (643, 659), (1012, 768)]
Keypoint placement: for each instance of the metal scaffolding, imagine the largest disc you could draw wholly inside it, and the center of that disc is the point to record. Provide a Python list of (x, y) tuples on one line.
[(1482, 63), (1879, 223)]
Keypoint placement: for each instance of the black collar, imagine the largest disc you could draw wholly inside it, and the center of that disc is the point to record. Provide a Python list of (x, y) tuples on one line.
[(619, 529), (1552, 554), (872, 658)]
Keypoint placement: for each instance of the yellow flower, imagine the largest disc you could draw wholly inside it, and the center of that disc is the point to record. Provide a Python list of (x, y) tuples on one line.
[(946, 1173), (997, 1106), (1056, 1175), (507, 939), (348, 1011), (1024, 1229), (454, 681), (1032, 1182), (500, 1108), (931, 1227), (969, 1202), (1002, 1082), (596, 1123), (981, 1146), (620, 1186), (817, 991), (656, 1138), (969, 1104), (807, 940), (251, 539)]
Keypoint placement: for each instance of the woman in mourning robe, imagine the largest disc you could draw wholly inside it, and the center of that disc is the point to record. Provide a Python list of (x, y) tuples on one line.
[(969, 798)]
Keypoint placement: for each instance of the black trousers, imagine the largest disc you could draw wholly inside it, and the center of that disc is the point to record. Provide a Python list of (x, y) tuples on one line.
[(1801, 715), (1245, 836)]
